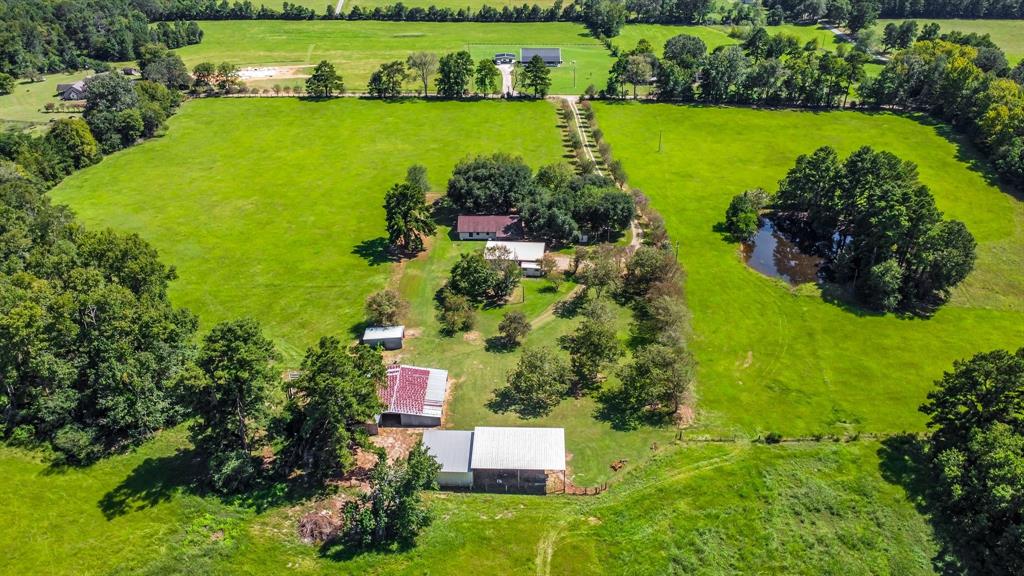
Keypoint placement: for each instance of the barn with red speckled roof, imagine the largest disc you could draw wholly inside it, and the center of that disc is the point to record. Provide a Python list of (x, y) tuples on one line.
[(413, 396)]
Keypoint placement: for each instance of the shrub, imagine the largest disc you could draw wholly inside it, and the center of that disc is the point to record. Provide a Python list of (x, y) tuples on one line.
[(384, 308)]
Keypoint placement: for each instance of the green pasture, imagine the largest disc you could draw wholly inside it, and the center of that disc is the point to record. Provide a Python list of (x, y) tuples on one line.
[(716, 509), (358, 48), (794, 360), (23, 107), (273, 208), (1007, 34)]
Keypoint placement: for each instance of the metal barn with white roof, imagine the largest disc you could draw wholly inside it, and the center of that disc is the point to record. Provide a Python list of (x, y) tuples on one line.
[(498, 459), (387, 337), (528, 254)]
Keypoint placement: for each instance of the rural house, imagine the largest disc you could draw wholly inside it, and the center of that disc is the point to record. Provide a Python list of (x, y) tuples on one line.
[(413, 396), (551, 56), (74, 91), (498, 459), (493, 227), (528, 254), (387, 337)]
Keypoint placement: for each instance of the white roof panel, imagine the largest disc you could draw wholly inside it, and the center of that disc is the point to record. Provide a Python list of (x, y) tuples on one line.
[(518, 448), (521, 251), (451, 448), (383, 332)]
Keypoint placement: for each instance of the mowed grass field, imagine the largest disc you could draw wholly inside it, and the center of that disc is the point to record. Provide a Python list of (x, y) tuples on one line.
[(273, 208), (695, 509), (776, 358), (358, 48), (1007, 34)]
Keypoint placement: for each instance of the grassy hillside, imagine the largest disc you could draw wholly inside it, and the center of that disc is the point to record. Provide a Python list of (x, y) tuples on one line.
[(794, 360), (273, 208), (710, 510)]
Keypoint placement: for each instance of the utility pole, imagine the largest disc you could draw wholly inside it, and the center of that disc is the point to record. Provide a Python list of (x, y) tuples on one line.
[(660, 134), (573, 74)]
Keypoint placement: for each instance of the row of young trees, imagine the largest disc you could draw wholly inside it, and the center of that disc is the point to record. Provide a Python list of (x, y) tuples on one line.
[(43, 37), (873, 221)]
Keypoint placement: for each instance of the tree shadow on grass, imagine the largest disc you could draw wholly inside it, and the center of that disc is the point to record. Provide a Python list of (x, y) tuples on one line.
[(613, 408), (153, 482), (158, 480), (499, 345), (338, 550), (376, 251), (504, 401), (903, 461)]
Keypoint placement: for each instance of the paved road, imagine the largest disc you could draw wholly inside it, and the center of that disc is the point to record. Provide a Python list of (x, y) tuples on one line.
[(506, 77)]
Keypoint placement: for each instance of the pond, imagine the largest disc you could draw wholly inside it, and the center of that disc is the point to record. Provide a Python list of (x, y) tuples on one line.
[(771, 253)]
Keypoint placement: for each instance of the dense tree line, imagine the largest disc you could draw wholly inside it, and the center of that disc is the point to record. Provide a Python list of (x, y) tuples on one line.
[(89, 342), (765, 69), (951, 9), (520, 13), (971, 87), (41, 37), (877, 226), (555, 204), (223, 10), (976, 457)]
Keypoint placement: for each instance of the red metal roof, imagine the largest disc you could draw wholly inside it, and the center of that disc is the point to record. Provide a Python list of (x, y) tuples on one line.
[(406, 391), (504, 226)]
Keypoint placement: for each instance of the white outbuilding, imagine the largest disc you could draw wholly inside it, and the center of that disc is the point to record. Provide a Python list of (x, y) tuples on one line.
[(452, 450), (528, 254), (498, 459), (387, 337)]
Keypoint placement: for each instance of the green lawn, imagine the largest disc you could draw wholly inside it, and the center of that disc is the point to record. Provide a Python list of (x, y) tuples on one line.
[(23, 107), (776, 358), (1007, 34), (272, 208), (358, 48), (696, 509)]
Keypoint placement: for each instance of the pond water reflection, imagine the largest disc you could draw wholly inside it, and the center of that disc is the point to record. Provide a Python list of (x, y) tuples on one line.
[(772, 254)]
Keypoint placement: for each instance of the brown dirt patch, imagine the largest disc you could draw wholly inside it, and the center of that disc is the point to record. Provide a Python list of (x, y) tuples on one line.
[(472, 336), (397, 442)]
